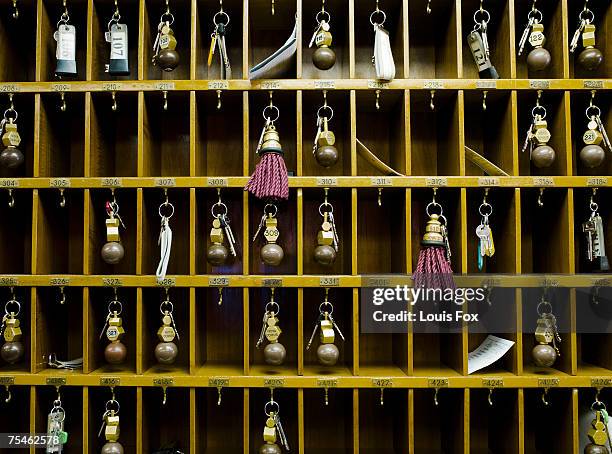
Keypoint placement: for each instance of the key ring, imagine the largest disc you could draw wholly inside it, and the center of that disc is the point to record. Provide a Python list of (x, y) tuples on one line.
[(543, 303), (57, 408), (538, 108), (167, 14), (325, 13), (533, 15), (272, 107), (586, 12), (171, 213), (8, 303), (326, 303), (593, 206), (273, 214), (164, 304), (272, 403), (10, 110), (594, 108), (325, 107), (379, 11), (483, 206), (330, 210), (115, 18), (221, 13), (114, 303), (598, 405), (110, 403), (222, 206), (484, 13), (433, 204), (271, 304)]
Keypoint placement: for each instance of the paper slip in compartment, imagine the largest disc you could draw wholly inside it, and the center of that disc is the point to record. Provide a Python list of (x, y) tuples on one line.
[(277, 63), (491, 349)]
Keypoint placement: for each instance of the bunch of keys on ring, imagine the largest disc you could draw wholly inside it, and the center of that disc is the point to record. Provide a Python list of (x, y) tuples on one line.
[(598, 434), (65, 52), (271, 253), (327, 352), (274, 352), (323, 149), (166, 350), (217, 252), (592, 154), (486, 247), (590, 58), (538, 58), (327, 238), (56, 436), (594, 231), (538, 135), (217, 41), (112, 252), (110, 427), (324, 57), (115, 352), (12, 350), (478, 41), (164, 48), (273, 430), (544, 354), (117, 36), (11, 157)]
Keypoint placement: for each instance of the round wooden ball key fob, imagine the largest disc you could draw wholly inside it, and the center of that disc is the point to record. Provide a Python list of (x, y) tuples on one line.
[(11, 157), (12, 350), (217, 253), (327, 352), (323, 149), (110, 428), (538, 58), (327, 238), (112, 252), (540, 153), (323, 57), (592, 154), (115, 352), (274, 352), (598, 432), (590, 57), (546, 351), (273, 430), (164, 48), (166, 350), (271, 253)]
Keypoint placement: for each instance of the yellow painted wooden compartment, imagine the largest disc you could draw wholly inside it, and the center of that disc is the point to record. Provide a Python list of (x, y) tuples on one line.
[(206, 140)]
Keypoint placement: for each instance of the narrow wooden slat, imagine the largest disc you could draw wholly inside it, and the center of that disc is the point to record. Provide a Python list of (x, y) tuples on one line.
[(193, 335), (512, 37), (142, 40), (140, 321), (521, 421), (245, 44), (246, 420), (351, 43), (575, 422), (139, 421), (459, 39), (37, 132), (34, 366), (353, 116), (466, 421), (246, 344), (356, 420), (86, 425), (300, 404), (565, 37), (89, 45), (194, 429), (194, 42), (461, 132), (411, 421), (193, 131), (300, 15), (139, 229), (87, 316)]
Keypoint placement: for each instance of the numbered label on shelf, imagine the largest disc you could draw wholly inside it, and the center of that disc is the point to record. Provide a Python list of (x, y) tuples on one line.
[(59, 182), (165, 182), (111, 182), (489, 181), (436, 182), (216, 182), (437, 382), (378, 84), (8, 281), (166, 282), (218, 382), (327, 382), (61, 87), (9, 183), (56, 381), (543, 181), (272, 282), (110, 381), (376, 281), (601, 382), (325, 84), (112, 282), (218, 281), (9, 88), (327, 181), (382, 382), (274, 382), (270, 85), (548, 382), (597, 181), (59, 281), (486, 84), (493, 382), (433, 84), (539, 84), (218, 85), (593, 84), (381, 181), (329, 281), (163, 381), (7, 381), (112, 86), (164, 86)]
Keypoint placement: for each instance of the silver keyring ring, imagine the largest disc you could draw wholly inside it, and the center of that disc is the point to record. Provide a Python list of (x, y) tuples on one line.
[(9, 302), (534, 13), (433, 204), (221, 13), (593, 206), (535, 108), (485, 13), (114, 303), (325, 13), (59, 409), (110, 403), (443, 218), (10, 111), (598, 405), (270, 304), (161, 215), (271, 213), (269, 118), (326, 303), (588, 109), (543, 303), (586, 11), (114, 20), (169, 14), (384, 17), (331, 208), (331, 111), (485, 205), (272, 403), (166, 303), (222, 206)]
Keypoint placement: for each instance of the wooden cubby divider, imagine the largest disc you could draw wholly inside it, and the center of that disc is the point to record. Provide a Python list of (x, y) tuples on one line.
[(190, 134)]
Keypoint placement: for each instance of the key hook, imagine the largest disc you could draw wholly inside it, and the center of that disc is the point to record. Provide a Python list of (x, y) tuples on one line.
[(377, 100), (380, 197), (484, 100), (62, 295), (490, 397), (220, 302), (218, 396), (62, 202), (63, 105), (114, 106), (432, 94), (436, 402), (540, 196), (165, 395), (9, 396), (382, 397), (11, 202), (15, 14), (428, 7), (218, 99), (544, 397), (165, 95), (326, 389)]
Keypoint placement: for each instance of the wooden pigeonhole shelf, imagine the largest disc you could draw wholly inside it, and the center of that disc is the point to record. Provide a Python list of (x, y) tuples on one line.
[(193, 148)]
